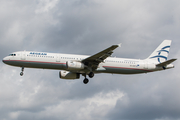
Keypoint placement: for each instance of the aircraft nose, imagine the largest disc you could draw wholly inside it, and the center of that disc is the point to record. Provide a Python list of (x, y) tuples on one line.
[(4, 60)]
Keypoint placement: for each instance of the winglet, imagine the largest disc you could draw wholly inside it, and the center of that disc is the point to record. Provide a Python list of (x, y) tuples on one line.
[(119, 45)]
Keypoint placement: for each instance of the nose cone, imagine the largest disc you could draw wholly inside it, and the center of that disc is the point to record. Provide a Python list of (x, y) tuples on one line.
[(5, 60)]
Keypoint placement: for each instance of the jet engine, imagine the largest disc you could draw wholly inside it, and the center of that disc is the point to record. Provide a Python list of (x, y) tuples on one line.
[(68, 75), (73, 65)]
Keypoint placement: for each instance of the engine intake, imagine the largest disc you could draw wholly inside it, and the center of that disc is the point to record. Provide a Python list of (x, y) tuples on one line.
[(73, 65), (68, 75)]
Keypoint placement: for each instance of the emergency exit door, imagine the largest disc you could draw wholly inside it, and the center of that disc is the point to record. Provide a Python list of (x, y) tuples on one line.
[(57, 58)]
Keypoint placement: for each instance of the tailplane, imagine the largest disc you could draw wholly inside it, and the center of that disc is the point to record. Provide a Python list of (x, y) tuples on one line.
[(161, 53), (166, 63)]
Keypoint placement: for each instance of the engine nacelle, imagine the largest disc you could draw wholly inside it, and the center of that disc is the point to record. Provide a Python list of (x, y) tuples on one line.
[(73, 65), (68, 75)]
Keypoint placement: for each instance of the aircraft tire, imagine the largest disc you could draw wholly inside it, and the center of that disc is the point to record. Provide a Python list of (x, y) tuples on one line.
[(21, 73), (85, 81), (91, 75)]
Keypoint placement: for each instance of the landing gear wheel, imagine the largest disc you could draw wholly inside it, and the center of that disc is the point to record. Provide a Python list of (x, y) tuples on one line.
[(91, 75), (21, 73), (85, 81)]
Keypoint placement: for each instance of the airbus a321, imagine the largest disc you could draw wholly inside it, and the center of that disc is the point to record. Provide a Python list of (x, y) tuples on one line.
[(72, 66)]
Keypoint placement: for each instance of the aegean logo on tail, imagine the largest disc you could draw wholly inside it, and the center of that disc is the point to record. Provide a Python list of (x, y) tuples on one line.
[(161, 56)]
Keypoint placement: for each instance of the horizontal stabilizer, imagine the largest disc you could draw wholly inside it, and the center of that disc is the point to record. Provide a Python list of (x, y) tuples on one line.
[(166, 63)]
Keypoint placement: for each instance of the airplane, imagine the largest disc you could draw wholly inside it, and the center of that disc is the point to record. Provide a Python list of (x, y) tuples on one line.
[(72, 65)]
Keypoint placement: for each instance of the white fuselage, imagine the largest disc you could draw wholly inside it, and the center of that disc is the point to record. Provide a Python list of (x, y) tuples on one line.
[(57, 61)]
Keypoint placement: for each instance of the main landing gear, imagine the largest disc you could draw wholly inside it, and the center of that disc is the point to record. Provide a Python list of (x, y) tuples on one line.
[(91, 75), (22, 70), (85, 81)]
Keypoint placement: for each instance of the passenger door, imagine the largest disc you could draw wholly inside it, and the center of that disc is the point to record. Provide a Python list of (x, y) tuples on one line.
[(23, 55)]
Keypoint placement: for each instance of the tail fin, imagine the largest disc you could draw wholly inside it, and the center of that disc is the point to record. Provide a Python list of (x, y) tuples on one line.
[(161, 53)]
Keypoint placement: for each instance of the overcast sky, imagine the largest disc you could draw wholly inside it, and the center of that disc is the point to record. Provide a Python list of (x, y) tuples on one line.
[(87, 27)]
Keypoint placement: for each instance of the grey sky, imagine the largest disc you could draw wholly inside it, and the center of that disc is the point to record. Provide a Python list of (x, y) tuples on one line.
[(87, 27)]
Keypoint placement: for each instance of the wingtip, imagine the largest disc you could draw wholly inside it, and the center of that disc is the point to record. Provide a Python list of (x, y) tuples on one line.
[(119, 45), (175, 59)]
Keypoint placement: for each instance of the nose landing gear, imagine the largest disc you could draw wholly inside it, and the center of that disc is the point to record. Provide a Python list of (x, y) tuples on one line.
[(22, 70)]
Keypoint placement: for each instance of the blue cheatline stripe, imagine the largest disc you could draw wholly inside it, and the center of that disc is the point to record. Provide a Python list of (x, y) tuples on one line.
[(128, 68), (28, 61)]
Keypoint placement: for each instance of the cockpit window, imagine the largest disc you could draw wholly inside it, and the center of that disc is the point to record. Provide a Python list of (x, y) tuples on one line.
[(12, 54)]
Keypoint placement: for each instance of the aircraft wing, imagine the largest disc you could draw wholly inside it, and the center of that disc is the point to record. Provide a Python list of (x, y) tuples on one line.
[(94, 60), (166, 63)]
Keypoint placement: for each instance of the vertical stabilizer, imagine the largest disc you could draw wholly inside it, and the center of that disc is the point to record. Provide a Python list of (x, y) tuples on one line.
[(161, 53)]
